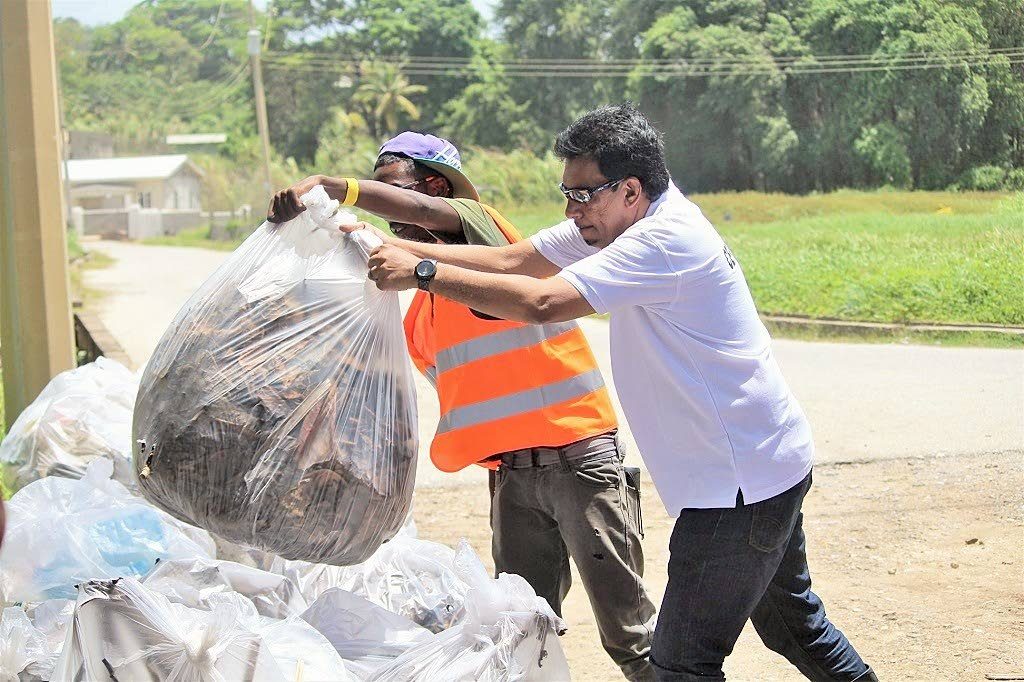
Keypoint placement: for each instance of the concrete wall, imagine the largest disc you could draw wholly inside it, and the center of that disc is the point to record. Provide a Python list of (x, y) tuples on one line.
[(134, 222), (176, 221), (105, 222)]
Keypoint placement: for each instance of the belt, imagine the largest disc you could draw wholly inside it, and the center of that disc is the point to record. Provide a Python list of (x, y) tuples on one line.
[(604, 445)]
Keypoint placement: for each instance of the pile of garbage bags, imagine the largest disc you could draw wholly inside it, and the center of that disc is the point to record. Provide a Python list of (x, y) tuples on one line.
[(98, 583), (278, 410), (151, 602), (83, 414), (62, 532)]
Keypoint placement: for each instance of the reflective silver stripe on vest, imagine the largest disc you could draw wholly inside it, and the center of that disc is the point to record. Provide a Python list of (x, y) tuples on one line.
[(499, 342), (521, 402), (431, 374)]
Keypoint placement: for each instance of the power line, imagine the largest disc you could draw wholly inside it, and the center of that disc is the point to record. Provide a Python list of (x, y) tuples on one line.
[(834, 59), (212, 98), (682, 71), (216, 26)]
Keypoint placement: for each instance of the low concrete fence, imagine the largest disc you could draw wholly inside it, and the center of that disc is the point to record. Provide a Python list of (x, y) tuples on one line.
[(135, 222)]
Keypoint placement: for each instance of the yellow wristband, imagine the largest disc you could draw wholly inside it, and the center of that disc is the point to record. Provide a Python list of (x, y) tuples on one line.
[(351, 191)]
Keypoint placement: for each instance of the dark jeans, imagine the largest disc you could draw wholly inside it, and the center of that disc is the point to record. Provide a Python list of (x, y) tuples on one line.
[(728, 565)]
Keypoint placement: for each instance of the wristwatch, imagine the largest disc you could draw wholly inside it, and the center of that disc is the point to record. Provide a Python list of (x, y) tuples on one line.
[(425, 271)]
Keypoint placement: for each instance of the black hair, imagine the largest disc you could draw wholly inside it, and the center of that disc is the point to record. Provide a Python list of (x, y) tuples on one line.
[(417, 169), (622, 142)]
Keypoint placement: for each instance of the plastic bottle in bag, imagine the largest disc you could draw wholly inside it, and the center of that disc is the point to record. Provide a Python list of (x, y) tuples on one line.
[(278, 410)]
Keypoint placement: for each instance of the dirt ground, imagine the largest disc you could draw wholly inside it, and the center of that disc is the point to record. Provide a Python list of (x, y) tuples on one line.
[(919, 561)]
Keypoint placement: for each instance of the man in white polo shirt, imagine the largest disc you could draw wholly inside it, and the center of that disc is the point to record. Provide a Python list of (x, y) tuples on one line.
[(726, 443)]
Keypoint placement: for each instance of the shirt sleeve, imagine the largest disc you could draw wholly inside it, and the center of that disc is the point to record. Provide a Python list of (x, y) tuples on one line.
[(477, 226), (562, 244), (631, 271)]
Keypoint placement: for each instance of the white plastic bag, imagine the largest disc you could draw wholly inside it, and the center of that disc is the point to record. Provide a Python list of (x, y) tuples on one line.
[(61, 532), (411, 577), (194, 582), (366, 636), (25, 653), (82, 414), (123, 631), (278, 410), (508, 634)]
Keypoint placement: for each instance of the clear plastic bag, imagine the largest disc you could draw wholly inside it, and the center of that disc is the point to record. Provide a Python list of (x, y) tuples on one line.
[(194, 582), (411, 577), (367, 636), (123, 631), (62, 532), (83, 414), (508, 634), (25, 653), (278, 410)]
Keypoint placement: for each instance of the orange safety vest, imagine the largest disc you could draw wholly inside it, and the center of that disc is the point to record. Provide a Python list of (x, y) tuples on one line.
[(504, 385)]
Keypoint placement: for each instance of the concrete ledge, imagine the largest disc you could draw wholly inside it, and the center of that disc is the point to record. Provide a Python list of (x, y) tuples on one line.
[(93, 339), (850, 327)]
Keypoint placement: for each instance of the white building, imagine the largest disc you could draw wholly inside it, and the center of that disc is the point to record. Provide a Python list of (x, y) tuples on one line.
[(134, 197), (166, 182)]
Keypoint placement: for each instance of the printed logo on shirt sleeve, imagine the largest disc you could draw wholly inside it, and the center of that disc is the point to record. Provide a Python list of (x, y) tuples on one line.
[(729, 258)]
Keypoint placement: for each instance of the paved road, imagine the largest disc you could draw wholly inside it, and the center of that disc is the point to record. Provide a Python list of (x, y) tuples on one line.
[(865, 401)]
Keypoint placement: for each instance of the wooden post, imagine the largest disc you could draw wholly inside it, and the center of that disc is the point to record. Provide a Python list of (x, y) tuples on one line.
[(35, 312), (254, 39)]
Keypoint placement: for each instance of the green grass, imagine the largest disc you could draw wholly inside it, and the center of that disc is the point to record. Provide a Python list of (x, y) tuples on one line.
[(943, 257), (197, 237), (751, 208), (898, 257), (887, 268)]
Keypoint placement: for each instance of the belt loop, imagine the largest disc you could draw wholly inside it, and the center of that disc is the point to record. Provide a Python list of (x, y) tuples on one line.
[(534, 457), (563, 459)]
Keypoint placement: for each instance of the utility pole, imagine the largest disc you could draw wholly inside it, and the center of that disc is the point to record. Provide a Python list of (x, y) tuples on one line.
[(261, 101), (35, 312)]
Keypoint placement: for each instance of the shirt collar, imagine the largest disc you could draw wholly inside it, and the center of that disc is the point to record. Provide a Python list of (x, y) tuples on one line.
[(662, 198)]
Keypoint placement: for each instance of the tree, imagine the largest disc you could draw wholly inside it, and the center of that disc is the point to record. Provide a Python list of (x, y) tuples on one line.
[(485, 113), (348, 32), (559, 32), (385, 94), (728, 129)]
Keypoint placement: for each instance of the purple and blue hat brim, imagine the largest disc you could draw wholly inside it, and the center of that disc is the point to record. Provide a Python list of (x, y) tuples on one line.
[(437, 154)]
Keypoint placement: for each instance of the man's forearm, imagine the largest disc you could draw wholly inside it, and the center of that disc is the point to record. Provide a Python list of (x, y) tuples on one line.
[(470, 257), (397, 205), (510, 297)]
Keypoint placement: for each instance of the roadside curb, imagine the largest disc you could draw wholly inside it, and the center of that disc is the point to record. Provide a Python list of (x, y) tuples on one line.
[(830, 327)]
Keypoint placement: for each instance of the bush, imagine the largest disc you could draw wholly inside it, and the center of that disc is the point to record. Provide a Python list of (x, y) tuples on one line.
[(1015, 179), (983, 178), (513, 178)]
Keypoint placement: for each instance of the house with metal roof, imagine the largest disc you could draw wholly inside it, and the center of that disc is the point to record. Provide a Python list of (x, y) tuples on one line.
[(169, 181), (134, 196)]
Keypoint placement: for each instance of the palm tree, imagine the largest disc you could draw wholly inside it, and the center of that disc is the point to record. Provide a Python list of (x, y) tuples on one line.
[(385, 93)]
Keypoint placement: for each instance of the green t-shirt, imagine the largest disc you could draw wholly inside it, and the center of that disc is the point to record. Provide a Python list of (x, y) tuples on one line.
[(478, 227)]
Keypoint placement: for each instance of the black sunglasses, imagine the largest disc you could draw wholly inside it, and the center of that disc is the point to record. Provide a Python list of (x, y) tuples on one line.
[(410, 185), (583, 195)]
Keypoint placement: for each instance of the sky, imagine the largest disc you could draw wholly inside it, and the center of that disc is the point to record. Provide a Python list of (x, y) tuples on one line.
[(93, 12)]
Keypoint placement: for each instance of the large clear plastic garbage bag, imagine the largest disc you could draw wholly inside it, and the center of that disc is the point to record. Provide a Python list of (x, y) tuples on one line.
[(123, 631), (61, 532), (278, 410), (83, 414)]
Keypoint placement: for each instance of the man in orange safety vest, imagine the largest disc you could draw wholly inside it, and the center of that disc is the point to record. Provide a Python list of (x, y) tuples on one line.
[(526, 401)]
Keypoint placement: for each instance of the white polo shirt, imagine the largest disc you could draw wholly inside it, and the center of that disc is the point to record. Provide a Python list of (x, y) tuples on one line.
[(691, 360)]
